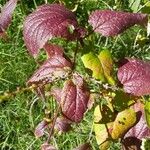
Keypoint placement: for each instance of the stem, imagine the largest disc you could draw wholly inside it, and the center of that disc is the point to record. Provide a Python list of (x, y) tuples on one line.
[(75, 54), (53, 124), (8, 95)]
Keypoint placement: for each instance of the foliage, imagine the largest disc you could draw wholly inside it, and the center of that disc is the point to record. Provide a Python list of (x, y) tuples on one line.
[(112, 120)]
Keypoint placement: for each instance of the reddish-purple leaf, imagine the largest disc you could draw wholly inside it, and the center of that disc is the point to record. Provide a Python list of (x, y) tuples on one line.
[(52, 49), (49, 20), (135, 77), (85, 146), (131, 143), (111, 23), (39, 131), (47, 146), (63, 124), (140, 130), (6, 14), (52, 69), (74, 99)]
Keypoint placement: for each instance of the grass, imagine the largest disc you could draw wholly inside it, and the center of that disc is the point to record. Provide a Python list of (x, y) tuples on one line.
[(19, 115)]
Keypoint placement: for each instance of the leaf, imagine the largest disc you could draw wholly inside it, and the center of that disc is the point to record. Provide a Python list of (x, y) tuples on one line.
[(85, 146), (92, 62), (107, 64), (74, 99), (133, 138), (131, 143), (52, 50), (103, 114), (62, 124), (147, 113), (123, 122), (39, 130), (111, 23), (135, 5), (47, 146), (6, 14), (135, 77), (100, 65), (102, 131), (47, 21), (140, 130), (52, 69), (122, 100)]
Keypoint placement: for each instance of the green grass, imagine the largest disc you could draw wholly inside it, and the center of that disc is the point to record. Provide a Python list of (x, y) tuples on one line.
[(17, 118)]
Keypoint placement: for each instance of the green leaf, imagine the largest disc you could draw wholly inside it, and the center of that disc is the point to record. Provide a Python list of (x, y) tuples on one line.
[(92, 62), (123, 122), (146, 8), (147, 112), (100, 65), (135, 5), (122, 101), (107, 64)]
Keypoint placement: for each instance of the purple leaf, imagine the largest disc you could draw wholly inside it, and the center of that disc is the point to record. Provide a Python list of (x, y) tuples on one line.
[(39, 131), (85, 146), (6, 14), (52, 69), (74, 99), (47, 146), (111, 23), (131, 143), (63, 124), (135, 77), (52, 49), (49, 20)]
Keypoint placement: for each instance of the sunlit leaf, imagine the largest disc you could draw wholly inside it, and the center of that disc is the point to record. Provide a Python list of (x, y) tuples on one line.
[(135, 5), (74, 99), (107, 64), (135, 77), (100, 65), (133, 138), (54, 68), (6, 15), (47, 21), (123, 122), (140, 130), (92, 62), (111, 23), (147, 112)]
